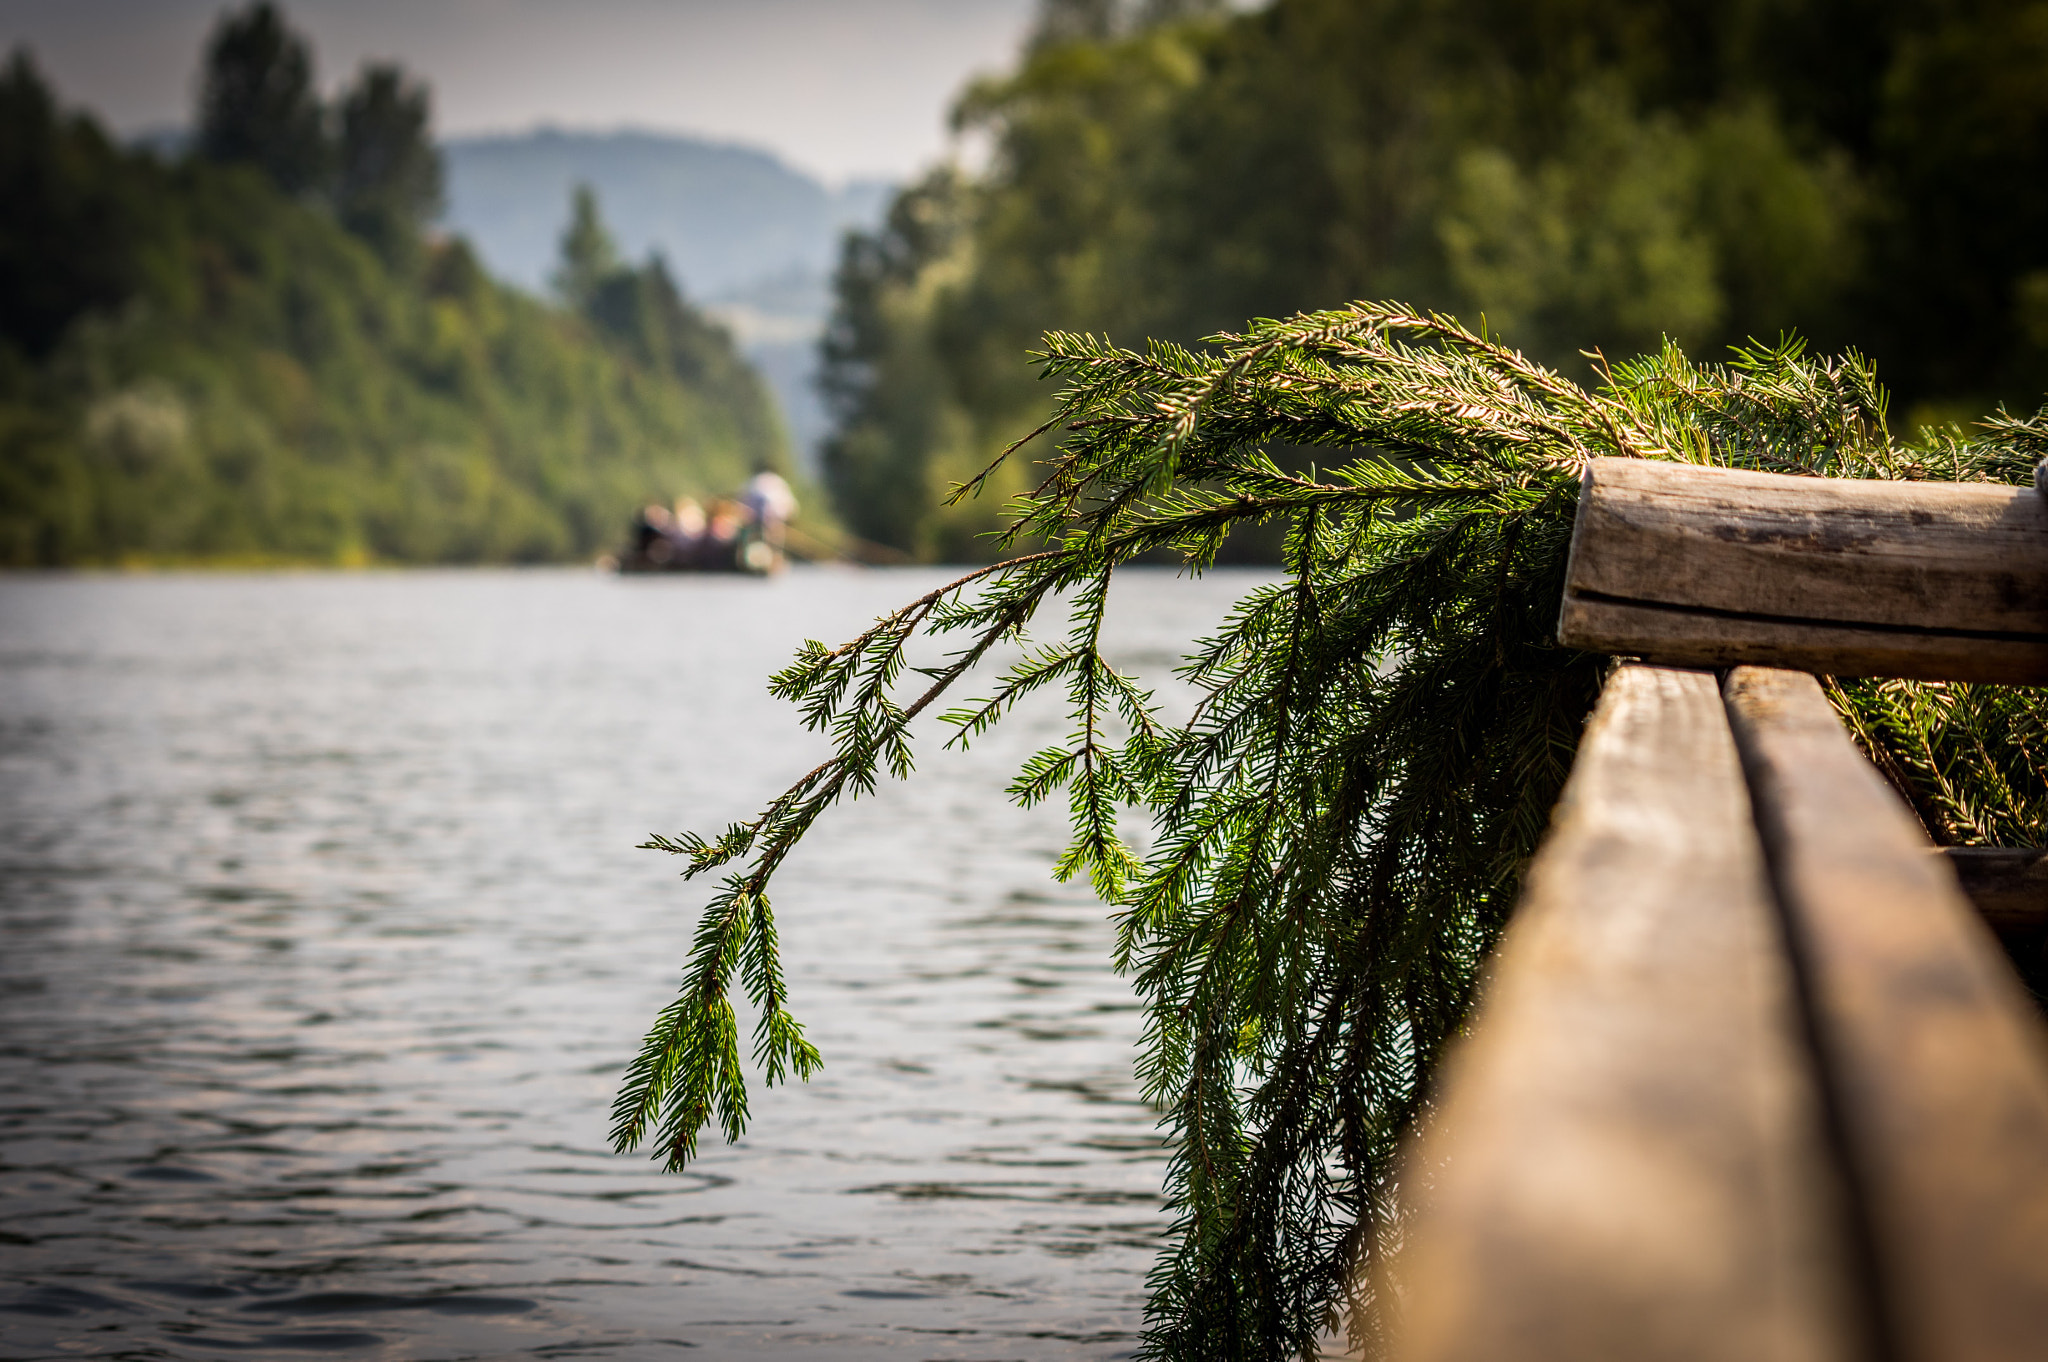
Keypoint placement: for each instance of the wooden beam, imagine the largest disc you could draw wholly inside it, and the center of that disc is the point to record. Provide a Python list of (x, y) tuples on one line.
[(1713, 567), (1628, 1159), (2008, 886), (1937, 1065)]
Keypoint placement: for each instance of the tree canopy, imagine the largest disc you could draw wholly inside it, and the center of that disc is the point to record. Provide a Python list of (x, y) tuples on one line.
[(389, 183), (371, 157), (257, 101), (211, 359), (642, 309), (588, 253), (1591, 176)]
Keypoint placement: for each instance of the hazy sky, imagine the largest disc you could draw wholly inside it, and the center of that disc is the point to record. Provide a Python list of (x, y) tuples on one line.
[(838, 87)]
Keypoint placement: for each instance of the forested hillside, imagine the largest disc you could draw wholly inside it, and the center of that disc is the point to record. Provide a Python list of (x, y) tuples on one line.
[(1571, 171), (260, 352), (751, 238)]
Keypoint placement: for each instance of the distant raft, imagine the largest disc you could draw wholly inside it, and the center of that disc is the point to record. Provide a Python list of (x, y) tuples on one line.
[(747, 554), (737, 534)]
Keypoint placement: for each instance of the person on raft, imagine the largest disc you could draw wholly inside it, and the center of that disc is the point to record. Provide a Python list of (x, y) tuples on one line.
[(770, 504)]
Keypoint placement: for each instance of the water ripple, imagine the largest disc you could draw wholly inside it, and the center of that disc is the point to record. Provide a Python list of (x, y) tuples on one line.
[(326, 944)]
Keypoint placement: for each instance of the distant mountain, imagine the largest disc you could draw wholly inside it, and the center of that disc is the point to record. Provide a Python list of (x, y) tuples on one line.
[(725, 216), (747, 235)]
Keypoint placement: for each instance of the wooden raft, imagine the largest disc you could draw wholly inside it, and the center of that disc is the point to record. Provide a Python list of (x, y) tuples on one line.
[(1751, 1077)]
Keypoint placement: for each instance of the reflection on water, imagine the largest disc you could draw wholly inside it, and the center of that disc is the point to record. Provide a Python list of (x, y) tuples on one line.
[(325, 941)]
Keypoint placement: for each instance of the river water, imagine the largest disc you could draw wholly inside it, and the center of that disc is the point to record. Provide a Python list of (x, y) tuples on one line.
[(326, 942)]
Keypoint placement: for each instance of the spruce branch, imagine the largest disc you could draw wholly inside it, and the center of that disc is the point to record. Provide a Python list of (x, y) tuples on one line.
[(1340, 827)]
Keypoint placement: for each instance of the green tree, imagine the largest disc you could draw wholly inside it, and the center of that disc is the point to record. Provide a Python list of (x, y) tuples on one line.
[(588, 253), (257, 101), (1961, 130), (1583, 175), (882, 376), (389, 183), (644, 310), (69, 237)]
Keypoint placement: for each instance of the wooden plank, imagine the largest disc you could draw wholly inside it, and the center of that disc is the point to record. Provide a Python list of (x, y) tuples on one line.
[(1935, 1060), (2008, 886), (1627, 1160), (1698, 639), (1713, 567)]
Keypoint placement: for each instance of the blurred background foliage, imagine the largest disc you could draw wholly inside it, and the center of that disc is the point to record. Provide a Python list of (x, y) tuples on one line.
[(259, 352), (259, 349), (1580, 173)]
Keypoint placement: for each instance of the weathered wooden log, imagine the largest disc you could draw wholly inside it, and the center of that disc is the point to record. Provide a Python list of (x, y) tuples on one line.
[(1628, 1159), (1714, 567), (1936, 1063)]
